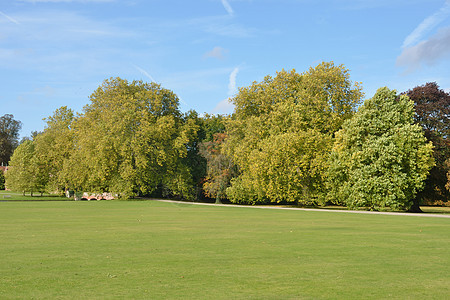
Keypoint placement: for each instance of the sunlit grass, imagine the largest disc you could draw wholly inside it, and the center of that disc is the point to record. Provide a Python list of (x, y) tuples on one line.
[(154, 250), (436, 209), (17, 196)]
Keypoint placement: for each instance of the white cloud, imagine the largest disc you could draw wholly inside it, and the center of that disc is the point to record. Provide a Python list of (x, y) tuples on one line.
[(145, 73), (232, 89), (428, 24), (417, 50), (225, 106), (216, 52), (9, 18), (428, 52), (228, 7)]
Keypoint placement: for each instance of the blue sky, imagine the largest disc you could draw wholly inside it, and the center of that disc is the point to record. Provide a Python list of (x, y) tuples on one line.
[(55, 53)]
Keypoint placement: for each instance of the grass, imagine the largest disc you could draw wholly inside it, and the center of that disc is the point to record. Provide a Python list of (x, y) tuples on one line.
[(155, 250), (436, 209), (17, 196)]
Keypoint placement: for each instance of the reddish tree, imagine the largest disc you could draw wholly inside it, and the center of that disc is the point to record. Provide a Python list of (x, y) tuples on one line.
[(432, 106), (220, 169)]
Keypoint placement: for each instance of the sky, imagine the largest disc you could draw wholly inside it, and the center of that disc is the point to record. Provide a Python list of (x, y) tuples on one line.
[(55, 53)]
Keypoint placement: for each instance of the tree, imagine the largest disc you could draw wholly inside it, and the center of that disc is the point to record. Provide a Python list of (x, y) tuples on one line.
[(432, 113), (25, 173), (281, 132), (53, 149), (220, 168), (9, 137), (2, 180), (380, 158), (131, 139)]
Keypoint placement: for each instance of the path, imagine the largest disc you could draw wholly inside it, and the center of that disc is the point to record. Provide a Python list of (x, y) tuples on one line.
[(429, 215)]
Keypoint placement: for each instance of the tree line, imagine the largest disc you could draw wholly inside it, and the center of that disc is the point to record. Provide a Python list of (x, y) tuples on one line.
[(306, 139)]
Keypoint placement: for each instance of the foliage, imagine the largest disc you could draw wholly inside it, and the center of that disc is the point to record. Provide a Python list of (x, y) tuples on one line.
[(193, 160), (2, 180), (432, 113), (130, 140), (9, 137), (54, 147), (26, 173), (212, 124), (281, 132), (220, 168), (380, 158)]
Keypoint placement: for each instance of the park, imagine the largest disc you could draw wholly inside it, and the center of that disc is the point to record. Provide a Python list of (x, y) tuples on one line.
[(225, 149), (162, 250), (338, 178)]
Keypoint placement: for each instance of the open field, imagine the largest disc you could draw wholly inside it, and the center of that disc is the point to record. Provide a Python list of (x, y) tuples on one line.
[(15, 196), (155, 250)]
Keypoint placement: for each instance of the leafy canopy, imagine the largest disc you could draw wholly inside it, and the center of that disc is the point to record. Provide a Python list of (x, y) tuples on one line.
[(380, 158), (432, 113), (281, 132), (9, 137)]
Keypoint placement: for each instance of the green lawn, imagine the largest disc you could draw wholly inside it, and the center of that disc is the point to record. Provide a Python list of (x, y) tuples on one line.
[(16, 196), (155, 250)]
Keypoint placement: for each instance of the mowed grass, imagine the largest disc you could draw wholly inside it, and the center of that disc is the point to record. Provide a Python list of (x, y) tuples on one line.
[(17, 196), (155, 250)]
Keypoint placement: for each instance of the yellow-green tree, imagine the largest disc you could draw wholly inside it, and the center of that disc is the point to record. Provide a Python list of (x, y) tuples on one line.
[(131, 140), (54, 147), (380, 158), (26, 173), (281, 132)]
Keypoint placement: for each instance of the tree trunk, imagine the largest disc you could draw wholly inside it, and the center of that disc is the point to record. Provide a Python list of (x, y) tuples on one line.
[(415, 208)]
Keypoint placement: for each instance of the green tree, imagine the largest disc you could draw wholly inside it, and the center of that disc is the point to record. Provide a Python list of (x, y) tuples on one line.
[(281, 132), (380, 158), (53, 149), (432, 113), (9, 137), (131, 139), (25, 173), (212, 124)]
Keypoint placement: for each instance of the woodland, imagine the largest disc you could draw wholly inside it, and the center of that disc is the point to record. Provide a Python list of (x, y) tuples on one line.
[(306, 139)]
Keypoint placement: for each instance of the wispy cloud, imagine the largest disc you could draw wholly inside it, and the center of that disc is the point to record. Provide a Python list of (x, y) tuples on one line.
[(232, 89), (428, 24), (9, 18), (428, 52), (228, 7), (145, 73), (417, 51), (216, 52), (225, 106)]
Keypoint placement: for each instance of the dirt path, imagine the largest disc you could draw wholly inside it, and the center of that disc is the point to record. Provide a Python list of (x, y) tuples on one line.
[(428, 215)]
